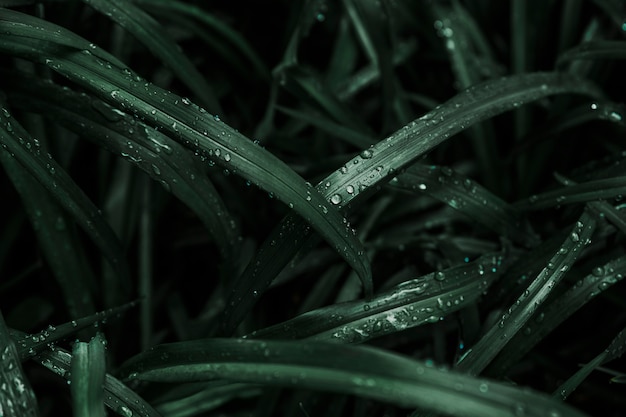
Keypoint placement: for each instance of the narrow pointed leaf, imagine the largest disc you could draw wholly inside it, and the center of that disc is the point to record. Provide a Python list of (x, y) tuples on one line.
[(594, 50), (184, 122), (357, 370), (150, 33), (375, 166), (512, 321)]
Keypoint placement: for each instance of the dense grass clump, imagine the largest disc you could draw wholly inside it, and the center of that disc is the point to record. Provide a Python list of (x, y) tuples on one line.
[(312, 208)]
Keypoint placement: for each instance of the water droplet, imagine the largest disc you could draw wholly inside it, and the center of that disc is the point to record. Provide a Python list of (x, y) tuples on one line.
[(156, 170), (367, 154), (422, 186), (483, 387), (574, 236), (125, 411), (440, 276), (336, 199), (350, 189), (227, 157)]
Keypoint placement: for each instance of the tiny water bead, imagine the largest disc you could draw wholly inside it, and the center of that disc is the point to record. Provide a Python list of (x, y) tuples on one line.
[(367, 154), (336, 199)]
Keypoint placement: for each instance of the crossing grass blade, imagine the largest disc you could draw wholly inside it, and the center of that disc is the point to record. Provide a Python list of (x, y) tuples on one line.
[(152, 34), (17, 398), (468, 197), (17, 144), (87, 380), (512, 321), (163, 159), (373, 167), (184, 122), (357, 370), (550, 316), (416, 302), (118, 397)]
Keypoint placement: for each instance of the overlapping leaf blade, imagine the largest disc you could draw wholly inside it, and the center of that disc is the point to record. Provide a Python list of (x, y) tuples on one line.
[(88, 370), (358, 370), (190, 125), (374, 166)]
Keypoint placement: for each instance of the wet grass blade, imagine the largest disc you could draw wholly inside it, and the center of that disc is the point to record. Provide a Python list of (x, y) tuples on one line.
[(548, 317), (374, 166), (356, 370), (512, 321), (468, 197), (427, 299), (184, 122), (149, 32), (17, 398), (118, 397), (163, 159), (588, 191), (17, 143), (88, 370), (31, 345)]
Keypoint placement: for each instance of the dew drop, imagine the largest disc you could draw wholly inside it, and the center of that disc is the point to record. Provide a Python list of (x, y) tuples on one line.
[(367, 154), (350, 189), (336, 199)]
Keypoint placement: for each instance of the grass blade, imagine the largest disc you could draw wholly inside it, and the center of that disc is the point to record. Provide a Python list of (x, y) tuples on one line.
[(184, 122), (376, 374), (150, 33), (374, 166), (17, 398), (427, 299), (483, 352), (594, 50), (17, 143), (88, 371)]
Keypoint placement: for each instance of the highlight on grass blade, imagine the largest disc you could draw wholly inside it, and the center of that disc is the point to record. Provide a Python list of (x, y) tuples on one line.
[(88, 369), (357, 370), (17, 397), (184, 122)]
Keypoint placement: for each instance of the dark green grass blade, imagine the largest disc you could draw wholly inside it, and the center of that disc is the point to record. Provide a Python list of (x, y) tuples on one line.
[(588, 191), (163, 159), (548, 317), (17, 143), (468, 197), (512, 321), (615, 350), (373, 167), (184, 122), (149, 32), (56, 237), (413, 303), (88, 368), (17, 398), (118, 397), (594, 50), (357, 370), (234, 38), (208, 399), (31, 345)]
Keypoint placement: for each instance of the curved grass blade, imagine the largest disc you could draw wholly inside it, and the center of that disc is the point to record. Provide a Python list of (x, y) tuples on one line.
[(163, 159), (468, 197), (31, 345), (588, 191), (149, 32), (233, 37), (374, 166), (357, 370), (186, 123), (118, 397), (594, 50), (17, 398), (17, 143), (423, 300), (88, 370), (56, 237), (207, 399), (483, 352), (550, 316)]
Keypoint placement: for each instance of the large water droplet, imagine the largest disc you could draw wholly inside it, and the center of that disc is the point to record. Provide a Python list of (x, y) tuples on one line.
[(336, 199)]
